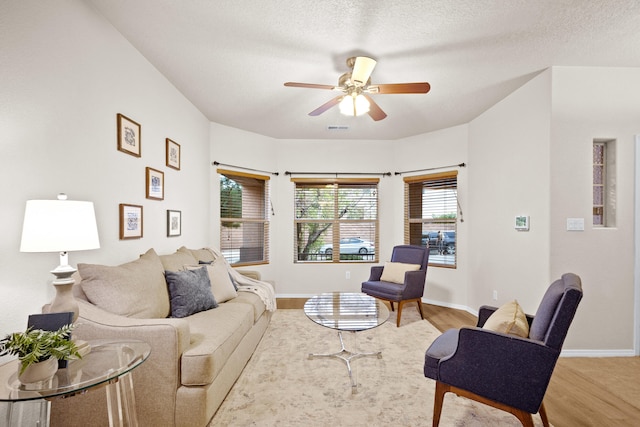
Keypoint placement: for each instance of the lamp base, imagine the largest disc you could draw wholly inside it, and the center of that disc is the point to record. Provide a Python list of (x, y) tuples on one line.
[(64, 299)]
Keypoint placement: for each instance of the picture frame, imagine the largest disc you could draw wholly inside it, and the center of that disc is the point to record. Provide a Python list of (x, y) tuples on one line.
[(172, 154), (154, 184), (522, 223), (131, 221), (174, 223), (129, 136)]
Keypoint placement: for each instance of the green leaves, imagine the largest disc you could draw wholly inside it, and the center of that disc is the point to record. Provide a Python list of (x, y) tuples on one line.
[(36, 345)]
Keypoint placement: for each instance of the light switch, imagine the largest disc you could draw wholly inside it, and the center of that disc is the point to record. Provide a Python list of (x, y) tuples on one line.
[(575, 224)]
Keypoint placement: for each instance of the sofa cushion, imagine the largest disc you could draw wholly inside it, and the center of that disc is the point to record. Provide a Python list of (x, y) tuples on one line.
[(204, 255), (251, 299), (135, 289), (189, 292), (509, 319), (394, 271), (215, 334), (177, 260), (221, 285)]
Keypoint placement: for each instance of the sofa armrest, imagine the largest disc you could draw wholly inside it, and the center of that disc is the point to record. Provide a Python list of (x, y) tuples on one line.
[(253, 274)]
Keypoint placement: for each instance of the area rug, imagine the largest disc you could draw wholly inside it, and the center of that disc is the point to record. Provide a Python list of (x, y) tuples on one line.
[(281, 386)]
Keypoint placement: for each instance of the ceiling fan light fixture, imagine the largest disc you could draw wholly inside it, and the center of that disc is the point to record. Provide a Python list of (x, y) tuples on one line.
[(362, 70), (354, 105)]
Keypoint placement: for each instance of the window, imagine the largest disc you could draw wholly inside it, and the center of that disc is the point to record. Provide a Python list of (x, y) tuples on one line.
[(431, 206), (604, 188), (336, 220), (244, 218)]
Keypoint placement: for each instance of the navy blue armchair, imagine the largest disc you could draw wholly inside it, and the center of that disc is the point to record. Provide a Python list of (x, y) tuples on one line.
[(505, 371), (413, 287)]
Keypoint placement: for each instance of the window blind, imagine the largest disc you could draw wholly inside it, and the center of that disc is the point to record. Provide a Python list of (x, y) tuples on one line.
[(244, 217), (431, 206)]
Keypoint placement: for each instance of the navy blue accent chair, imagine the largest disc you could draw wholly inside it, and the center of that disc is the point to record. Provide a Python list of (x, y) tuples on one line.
[(505, 371), (413, 287)]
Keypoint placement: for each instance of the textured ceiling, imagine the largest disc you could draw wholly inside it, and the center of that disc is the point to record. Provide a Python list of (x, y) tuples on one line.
[(230, 58)]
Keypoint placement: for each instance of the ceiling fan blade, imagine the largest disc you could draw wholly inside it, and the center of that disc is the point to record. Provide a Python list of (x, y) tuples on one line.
[(375, 111), (362, 69), (422, 87), (324, 107), (309, 85)]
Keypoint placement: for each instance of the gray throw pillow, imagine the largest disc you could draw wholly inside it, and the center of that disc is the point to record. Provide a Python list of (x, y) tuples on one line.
[(189, 292)]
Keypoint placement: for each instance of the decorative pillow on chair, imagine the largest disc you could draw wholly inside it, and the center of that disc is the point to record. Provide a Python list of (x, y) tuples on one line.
[(394, 271), (189, 292), (509, 319)]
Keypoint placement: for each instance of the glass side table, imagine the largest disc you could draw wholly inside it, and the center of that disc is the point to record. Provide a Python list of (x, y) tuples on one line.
[(109, 364)]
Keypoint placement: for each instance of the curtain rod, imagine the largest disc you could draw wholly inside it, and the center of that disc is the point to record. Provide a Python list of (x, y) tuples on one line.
[(460, 165), (214, 163), (339, 173)]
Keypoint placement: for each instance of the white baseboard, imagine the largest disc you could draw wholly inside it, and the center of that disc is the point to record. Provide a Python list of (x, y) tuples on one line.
[(597, 353)]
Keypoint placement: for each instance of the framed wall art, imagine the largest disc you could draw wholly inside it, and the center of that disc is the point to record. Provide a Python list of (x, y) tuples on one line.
[(174, 223), (522, 223), (155, 184), (129, 136), (130, 221), (173, 154)]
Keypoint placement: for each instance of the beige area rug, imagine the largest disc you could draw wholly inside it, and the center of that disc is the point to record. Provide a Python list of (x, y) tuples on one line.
[(281, 386)]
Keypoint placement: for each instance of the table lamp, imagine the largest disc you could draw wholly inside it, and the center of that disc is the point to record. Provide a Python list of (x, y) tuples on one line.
[(60, 226)]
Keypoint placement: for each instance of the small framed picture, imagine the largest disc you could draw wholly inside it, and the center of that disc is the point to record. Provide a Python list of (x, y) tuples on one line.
[(130, 221), (174, 223), (173, 154), (522, 223), (129, 136), (155, 184)]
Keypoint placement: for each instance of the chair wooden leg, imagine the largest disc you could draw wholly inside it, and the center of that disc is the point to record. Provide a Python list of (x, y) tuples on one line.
[(420, 308), (400, 304), (391, 304), (543, 415), (441, 389), (525, 417)]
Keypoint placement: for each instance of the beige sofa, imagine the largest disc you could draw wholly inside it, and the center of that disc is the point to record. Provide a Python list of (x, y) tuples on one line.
[(194, 360)]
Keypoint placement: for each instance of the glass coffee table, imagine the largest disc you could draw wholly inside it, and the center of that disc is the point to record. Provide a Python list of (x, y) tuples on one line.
[(351, 312), (108, 364)]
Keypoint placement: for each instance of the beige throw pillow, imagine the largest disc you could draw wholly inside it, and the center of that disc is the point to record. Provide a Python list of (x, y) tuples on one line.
[(394, 271), (509, 319), (135, 289), (221, 284), (176, 260)]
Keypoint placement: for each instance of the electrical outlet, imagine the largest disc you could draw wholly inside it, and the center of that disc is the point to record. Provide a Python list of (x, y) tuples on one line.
[(495, 295), (348, 275)]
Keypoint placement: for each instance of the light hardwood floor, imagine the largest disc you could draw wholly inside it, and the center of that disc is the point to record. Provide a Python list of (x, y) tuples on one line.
[(590, 392)]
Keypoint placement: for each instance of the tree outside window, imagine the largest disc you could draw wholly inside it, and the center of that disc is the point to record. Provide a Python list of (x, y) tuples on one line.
[(336, 220)]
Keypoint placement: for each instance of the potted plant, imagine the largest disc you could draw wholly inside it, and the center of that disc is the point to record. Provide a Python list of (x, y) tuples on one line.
[(39, 351)]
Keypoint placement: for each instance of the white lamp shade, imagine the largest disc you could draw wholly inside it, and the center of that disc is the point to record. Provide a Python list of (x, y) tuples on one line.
[(361, 105), (59, 226)]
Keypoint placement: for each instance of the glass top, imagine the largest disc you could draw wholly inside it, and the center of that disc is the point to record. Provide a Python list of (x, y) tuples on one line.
[(108, 359), (346, 311)]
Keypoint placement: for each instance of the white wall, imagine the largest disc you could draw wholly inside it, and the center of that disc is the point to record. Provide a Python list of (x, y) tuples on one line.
[(593, 103), (65, 74), (509, 176)]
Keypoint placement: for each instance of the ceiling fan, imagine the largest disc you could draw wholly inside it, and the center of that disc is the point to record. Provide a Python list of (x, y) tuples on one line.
[(356, 87)]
